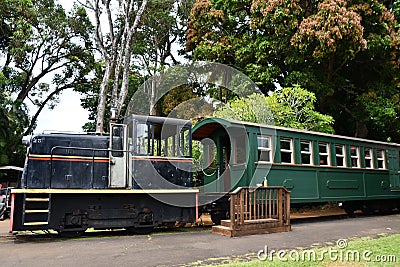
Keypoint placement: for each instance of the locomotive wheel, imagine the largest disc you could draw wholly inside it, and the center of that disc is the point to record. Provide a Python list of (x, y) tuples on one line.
[(366, 209), (349, 211), (71, 234), (385, 210), (140, 230), (217, 217)]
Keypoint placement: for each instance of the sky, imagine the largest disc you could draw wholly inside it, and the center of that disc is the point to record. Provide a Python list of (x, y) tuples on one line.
[(68, 115)]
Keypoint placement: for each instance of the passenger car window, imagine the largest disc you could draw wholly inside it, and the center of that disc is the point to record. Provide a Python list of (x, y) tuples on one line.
[(324, 159), (306, 152), (264, 148), (340, 155), (368, 158), (355, 156), (286, 150), (381, 159)]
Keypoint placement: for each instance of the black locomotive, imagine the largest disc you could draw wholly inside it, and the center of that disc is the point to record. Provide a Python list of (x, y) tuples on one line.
[(138, 177)]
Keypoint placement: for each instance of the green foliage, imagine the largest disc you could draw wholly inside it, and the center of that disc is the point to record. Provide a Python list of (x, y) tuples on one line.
[(40, 42), (291, 107), (254, 108), (382, 113), (294, 107), (13, 120), (341, 50)]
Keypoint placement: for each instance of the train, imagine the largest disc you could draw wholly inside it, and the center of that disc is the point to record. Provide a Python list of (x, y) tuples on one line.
[(143, 175), (138, 177), (357, 174)]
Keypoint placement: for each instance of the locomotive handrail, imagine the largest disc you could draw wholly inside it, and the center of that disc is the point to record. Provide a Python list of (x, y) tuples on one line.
[(256, 187), (216, 170), (87, 148), (252, 204), (93, 150)]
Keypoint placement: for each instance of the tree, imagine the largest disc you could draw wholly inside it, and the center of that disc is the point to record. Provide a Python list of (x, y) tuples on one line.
[(91, 96), (340, 50), (294, 107), (12, 123), (291, 107), (154, 50), (40, 43), (115, 47), (162, 29), (357, 55)]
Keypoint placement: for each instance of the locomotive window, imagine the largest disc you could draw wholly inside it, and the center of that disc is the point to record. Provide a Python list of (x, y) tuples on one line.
[(381, 159), (130, 139), (239, 149), (354, 154), (286, 150), (264, 148), (142, 139), (323, 154), (368, 158), (340, 156), (170, 149), (185, 142), (166, 147), (116, 142), (306, 152)]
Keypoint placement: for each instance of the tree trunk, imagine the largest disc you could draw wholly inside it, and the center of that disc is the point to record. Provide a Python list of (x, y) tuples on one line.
[(125, 80), (101, 106), (153, 88), (361, 130), (111, 57)]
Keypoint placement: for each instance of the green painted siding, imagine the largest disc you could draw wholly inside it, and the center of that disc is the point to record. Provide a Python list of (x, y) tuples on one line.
[(315, 183)]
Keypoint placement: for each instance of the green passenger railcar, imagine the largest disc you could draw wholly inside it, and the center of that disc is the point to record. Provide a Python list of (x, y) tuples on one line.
[(315, 167)]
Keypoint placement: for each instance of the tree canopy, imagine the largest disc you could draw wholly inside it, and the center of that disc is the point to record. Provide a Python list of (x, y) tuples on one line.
[(291, 107), (43, 51), (343, 51), (138, 43)]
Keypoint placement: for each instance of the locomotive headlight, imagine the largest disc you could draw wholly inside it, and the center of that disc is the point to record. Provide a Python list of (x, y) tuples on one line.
[(26, 140), (113, 113)]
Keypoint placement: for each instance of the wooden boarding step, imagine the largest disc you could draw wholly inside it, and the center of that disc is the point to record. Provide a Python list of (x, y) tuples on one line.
[(257, 210), (227, 223), (250, 227)]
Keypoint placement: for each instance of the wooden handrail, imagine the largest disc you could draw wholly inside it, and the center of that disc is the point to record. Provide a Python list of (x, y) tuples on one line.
[(254, 204)]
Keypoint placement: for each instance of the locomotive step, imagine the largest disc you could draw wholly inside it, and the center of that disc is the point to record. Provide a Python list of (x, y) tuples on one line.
[(35, 223), (37, 199), (36, 211)]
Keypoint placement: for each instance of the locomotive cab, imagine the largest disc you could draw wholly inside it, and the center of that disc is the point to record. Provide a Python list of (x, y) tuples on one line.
[(161, 152)]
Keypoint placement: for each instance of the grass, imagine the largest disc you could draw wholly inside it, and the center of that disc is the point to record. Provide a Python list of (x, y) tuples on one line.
[(366, 251)]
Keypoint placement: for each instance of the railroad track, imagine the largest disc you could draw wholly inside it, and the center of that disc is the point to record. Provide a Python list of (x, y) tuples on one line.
[(317, 214)]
